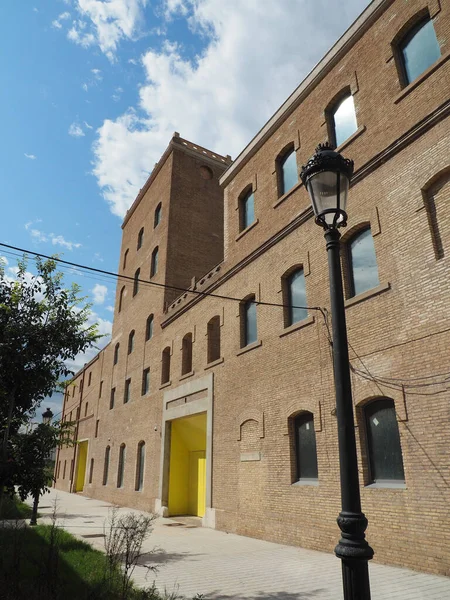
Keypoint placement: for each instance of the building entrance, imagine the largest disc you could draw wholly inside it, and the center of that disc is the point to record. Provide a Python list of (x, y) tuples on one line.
[(187, 472), (81, 468)]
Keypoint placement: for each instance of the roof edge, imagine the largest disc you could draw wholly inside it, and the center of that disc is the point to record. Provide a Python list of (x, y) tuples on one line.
[(336, 52)]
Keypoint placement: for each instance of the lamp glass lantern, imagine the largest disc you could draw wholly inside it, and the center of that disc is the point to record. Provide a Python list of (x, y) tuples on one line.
[(327, 176)]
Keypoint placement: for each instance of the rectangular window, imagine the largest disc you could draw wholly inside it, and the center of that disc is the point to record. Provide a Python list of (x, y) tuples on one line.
[(126, 394), (145, 381), (248, 318), (90, 378), (112, 398), (100, 390), (96, 427)]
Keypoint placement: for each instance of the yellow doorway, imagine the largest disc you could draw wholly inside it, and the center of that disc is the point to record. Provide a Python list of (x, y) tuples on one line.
[(81, 468), (187, 467)]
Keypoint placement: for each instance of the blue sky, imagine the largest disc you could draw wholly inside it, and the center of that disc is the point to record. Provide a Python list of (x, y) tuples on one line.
[(93, 90)]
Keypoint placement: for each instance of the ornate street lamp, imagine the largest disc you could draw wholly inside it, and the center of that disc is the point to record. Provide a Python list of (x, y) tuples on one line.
[(327, 176), (47, 417)]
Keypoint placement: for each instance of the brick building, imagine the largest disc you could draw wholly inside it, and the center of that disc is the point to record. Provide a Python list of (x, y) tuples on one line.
[(221, 404)]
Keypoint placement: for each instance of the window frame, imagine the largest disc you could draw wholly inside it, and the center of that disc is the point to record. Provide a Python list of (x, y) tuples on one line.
[(157, 215), (244, 196), (280, 162), (121, 298), (140, 239), (330, 116), (287, 295), (112, 398), (349, 277), (299, 419), (140, 467), (145, 384), (406, 35), (131, 337), (127, 391), (245, 307), (137, 274), (116, 354), (106, 462), (121, 466), (154, 262), (370, 469), (213, 339), (149, 327), (165, 365)]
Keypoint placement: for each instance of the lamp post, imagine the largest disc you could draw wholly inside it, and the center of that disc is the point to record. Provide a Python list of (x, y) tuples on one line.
[(47, 417), (327, 176)]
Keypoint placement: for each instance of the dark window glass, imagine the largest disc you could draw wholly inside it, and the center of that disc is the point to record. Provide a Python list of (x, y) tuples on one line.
[(250, 329), (289, 174), (116, 353), (86, 408), (419, 50), (136, 282), (165, 367), (140, 466), (100, 389), (154, 264), (91, 470), (296, 297), (383, 440), (247, 210), (214, 339), (145, 381), (112, 398), (140, 238), (122, 292), (344, 120), (90, 378), (186, 362), (158, 215), (106, 465), (305, 447), (131, 342), (125, 256), (363, 263), (149, 328), (121, 467), (96, 427), (64, 470), (126, 394)]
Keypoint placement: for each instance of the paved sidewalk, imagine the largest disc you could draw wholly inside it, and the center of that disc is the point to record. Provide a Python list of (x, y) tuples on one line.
[(230, 567)]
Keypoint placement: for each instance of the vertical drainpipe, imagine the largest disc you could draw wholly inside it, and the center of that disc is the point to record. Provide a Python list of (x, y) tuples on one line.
[(72, 486)]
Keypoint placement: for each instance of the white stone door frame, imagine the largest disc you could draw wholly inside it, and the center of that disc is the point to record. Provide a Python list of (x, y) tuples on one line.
[(191, 398)]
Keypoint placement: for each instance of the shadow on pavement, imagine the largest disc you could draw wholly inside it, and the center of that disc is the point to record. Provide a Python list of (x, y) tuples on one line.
[(267, 596)]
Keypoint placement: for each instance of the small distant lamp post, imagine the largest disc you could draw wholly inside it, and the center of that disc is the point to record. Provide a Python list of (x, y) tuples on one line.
[(327, 176), (47, 417)]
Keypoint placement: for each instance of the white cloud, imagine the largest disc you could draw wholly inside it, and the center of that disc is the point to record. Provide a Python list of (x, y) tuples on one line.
[(35, 9), (99, 293), (97, 74), (105, 329), (38, 236), (58, 240), (85, 87), (88, 126), (57, 23), (221, 97), (30, 156), (106, 23), (110, 308), (75, 130), (4, 261)]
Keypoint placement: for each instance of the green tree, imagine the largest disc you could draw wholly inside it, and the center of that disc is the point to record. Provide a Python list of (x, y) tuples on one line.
[(31, 457), (42, 326)]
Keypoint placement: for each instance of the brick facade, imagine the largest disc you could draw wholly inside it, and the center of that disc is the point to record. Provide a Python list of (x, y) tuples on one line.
[(398, 331)]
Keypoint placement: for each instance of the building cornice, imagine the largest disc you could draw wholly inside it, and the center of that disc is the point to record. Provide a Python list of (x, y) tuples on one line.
[(366, 169), (333, 56)]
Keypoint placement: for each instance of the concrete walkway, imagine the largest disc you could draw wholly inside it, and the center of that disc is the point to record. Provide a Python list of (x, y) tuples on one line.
[(223, 566)]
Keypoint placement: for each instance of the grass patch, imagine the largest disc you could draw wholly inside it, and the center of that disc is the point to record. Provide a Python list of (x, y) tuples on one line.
[(13, 508), (46, 562)]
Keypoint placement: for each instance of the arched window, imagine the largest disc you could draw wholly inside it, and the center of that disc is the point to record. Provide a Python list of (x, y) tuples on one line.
[(121, 466), (154, 262), (91, 470), (149, 328), (116, 353), (287, 171), (294, 291), (145, 381), (140, 239), (362, 262), (305, 447), (136, 282), (127, 391), (214, 339), (249, 333), (246, 210), (165, 365), (125, 256), (383, 442), (112, 398), (418, 50), (121, 295), (86, 408), (131, 342), (157, 219), (106, 465), (89, 378), (186, 354), (343, 120), (140, 465)]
